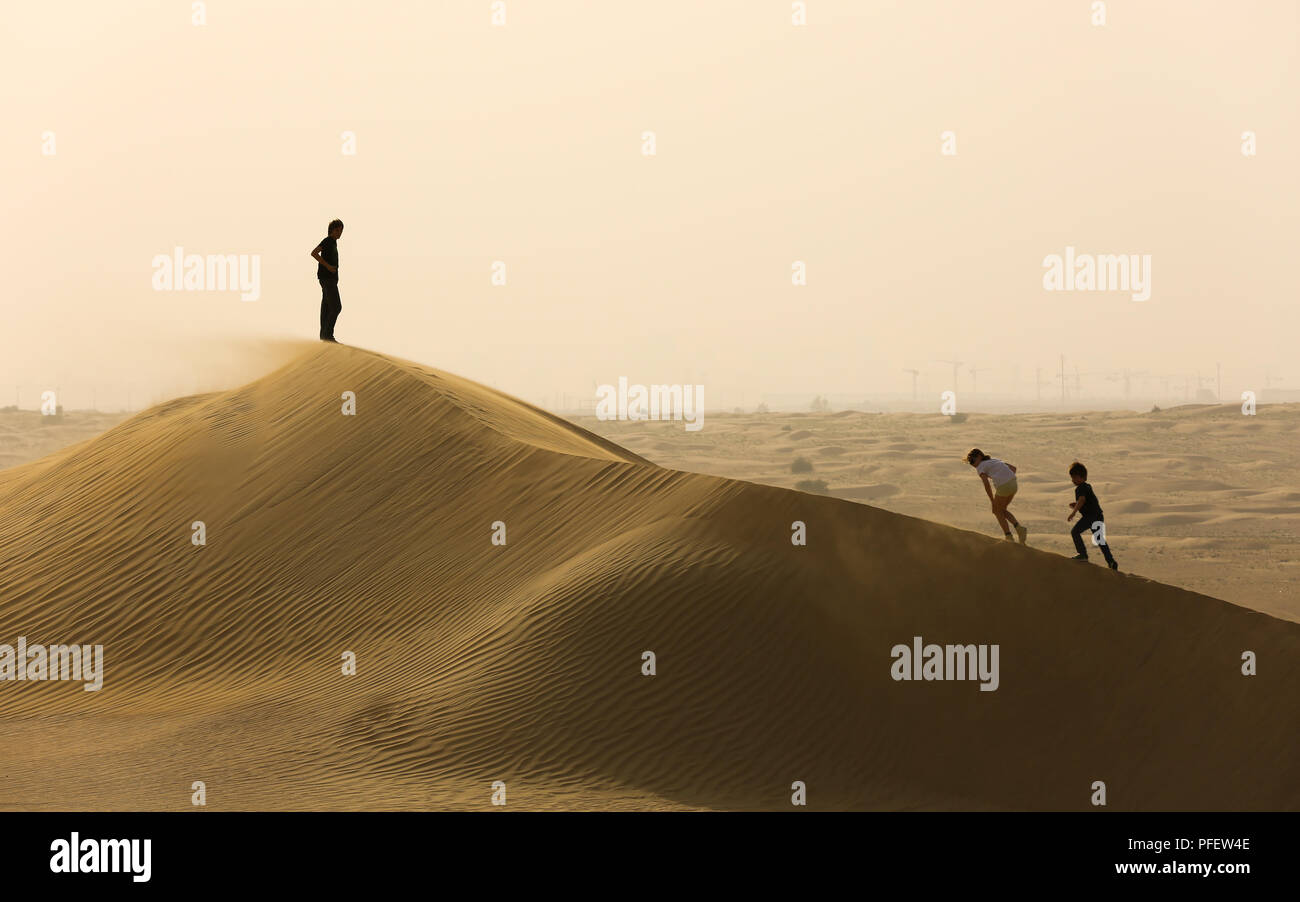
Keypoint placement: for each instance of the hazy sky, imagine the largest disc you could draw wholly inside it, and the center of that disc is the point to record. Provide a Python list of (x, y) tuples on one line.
[(775, 143)]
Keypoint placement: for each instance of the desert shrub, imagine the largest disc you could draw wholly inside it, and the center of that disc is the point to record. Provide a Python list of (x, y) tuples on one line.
[(801, 465), (812, 485)]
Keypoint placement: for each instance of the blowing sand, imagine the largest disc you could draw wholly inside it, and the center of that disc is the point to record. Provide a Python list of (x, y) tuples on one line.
[(522, 663)]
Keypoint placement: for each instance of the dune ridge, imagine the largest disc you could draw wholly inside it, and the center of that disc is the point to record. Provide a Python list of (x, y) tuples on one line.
[(522, 663)]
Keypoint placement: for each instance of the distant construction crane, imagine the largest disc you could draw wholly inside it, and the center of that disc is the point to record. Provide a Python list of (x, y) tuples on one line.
[(1039, 382), (914, 373), (1127, 377), (1078, 382), (1199, 383), (954, 364)]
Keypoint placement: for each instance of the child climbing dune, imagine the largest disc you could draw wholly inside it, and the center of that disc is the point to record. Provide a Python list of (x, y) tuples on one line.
[(999, 480), (1091, 518)]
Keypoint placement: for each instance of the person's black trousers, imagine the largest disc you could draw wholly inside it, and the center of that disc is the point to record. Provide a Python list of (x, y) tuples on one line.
[(330, 306), (1077, 534)]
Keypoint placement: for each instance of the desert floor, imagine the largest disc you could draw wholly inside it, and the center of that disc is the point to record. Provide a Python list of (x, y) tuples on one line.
[(26, 435)]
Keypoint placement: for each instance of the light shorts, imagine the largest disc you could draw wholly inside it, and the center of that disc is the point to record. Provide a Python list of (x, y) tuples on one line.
[(1006, 490)]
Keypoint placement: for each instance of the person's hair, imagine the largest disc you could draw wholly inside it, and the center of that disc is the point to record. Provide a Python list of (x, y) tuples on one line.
[(974, 454), (335, 224), (1078, 469)]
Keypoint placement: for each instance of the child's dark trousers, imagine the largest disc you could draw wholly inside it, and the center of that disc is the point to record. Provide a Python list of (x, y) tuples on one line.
[(1086, 526)]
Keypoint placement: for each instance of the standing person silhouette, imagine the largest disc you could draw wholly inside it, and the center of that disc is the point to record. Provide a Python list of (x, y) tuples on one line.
[(326, 255)]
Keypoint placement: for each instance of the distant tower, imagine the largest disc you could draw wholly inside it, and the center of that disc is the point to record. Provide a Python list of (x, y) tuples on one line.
[(955, 364), (914, 373)]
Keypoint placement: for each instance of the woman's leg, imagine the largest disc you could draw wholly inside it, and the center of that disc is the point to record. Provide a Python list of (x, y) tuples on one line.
[(1000, 512), (1006, 512)]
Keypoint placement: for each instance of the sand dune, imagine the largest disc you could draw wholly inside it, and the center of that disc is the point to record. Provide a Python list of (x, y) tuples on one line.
[(522, 663), (1231, 487)]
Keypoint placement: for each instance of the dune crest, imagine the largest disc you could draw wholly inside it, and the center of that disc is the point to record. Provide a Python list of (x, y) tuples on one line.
[(476, 662)]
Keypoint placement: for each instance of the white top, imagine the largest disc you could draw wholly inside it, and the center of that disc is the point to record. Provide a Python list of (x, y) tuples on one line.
[(997, 471)]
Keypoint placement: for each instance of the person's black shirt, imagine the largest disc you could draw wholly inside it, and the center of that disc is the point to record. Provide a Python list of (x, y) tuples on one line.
[(1091, 508), (329, 252)]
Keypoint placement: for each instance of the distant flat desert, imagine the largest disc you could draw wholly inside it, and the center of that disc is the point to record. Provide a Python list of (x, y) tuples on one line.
[(640, 637)]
